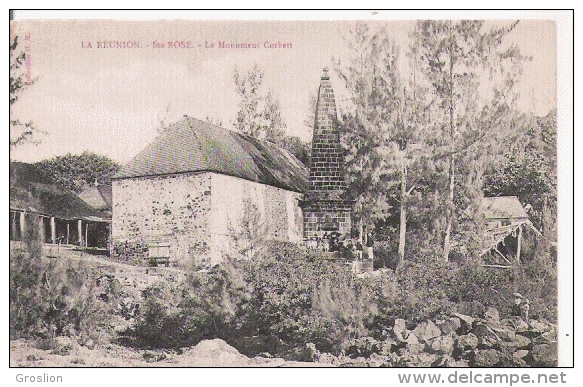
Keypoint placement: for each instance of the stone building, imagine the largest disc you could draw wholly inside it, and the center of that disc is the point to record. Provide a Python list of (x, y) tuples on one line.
[(196, 185), (324, 206)]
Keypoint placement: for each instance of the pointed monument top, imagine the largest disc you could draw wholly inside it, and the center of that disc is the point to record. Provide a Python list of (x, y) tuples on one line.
[(325, 75)]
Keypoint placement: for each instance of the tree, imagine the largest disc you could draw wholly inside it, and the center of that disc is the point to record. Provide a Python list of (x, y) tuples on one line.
[(20, 132), (472, 76), (260, 116), (77, 172), (382, 129), (259, 113)]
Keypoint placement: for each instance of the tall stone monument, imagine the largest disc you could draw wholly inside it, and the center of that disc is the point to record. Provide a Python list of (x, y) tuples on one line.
[(324, 206)]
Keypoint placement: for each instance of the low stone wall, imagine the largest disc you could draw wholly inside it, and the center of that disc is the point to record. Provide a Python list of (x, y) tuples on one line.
[(457, 341)]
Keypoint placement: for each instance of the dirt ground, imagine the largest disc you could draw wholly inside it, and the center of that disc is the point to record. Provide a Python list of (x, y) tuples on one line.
[(207, 353)]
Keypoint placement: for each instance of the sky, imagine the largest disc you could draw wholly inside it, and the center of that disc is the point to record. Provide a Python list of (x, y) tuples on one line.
[(111, 100)]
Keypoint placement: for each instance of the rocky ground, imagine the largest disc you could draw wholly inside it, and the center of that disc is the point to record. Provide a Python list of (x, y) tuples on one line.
[(458, 341), (207, 353)]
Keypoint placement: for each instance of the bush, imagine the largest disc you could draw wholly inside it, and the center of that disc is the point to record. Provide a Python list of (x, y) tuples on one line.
[(287, 294), (52, 297)]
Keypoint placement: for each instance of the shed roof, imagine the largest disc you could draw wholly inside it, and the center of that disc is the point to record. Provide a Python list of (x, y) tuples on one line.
[(32, 191), (503, 207), (98, 197), (191, 145)]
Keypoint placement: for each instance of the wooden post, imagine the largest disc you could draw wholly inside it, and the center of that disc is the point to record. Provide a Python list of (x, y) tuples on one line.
[(22, 225), (67, 232), (86, 231), (14, 230), (80, 232), (519, 243), (53, 230), (41, 226)]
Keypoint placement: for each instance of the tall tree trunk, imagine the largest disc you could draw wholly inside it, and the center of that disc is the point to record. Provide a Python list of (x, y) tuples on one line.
[(451, 167), (403, 216), (447, 241)]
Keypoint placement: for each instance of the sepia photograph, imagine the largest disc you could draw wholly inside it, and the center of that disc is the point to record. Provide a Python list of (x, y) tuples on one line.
[(373, 190)]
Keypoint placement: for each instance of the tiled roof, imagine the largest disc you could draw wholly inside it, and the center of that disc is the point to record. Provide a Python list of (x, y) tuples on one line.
[(98, 197), (503, 207), (191, 145), (32, 191)]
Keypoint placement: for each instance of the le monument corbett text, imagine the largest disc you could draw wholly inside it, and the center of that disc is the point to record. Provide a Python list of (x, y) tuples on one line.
[(183, 44)]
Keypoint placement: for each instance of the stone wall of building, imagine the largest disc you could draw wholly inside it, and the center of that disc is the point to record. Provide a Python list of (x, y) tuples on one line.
[(274, 212), (326, 219), (173, 208)]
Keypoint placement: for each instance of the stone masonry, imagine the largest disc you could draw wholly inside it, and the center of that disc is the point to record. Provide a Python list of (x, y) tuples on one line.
[(325, 208)]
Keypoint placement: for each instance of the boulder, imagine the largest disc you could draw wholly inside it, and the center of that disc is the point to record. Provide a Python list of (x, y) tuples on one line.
[(520, 326), (540, 326), (492, 315), (328, 358), (466, 342), (451, 325), (504, 332), (442, 345), (309, 353), (386, 346), (486, 336), (411, 339), (413, 349), (521, 353), (467, 322), (546, 338), (522, 341), (448, 361), (485, 358), (376, 360), (399, 329), (426, 331), (545, 355)]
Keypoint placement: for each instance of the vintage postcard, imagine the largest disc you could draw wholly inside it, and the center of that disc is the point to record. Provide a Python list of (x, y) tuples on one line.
[(353, 189)]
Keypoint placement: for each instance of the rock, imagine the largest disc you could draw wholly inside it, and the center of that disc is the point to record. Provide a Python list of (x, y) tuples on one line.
[(425, 359), (485, 358), (448, 361), (545, 355), (376, 360), (486, 337), (467, 321), (426, 331), (411, 339), (309, 353), (540, 326), (469, 341), (399, 328), (546, 338), (386, 346), (451, 325), (413, 349), (442, 345), (492, 315), (521, 353), (328, 358), (520, 325), (504, 332), (522, 341)]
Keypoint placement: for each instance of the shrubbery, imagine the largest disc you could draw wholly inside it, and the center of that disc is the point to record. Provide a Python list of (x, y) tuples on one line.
[(49, 298), (288, 296)]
